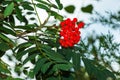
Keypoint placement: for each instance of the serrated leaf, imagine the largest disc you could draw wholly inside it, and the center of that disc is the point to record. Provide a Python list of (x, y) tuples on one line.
[(38, 65), (70, 9), (87, 9), (46, 66), (9, 9)]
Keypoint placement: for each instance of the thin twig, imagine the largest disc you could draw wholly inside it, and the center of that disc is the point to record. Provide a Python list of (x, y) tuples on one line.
[(36, 12)]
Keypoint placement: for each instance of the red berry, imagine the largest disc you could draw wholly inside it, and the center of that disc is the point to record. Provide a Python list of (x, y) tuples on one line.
[(70, 34), (81, 24)]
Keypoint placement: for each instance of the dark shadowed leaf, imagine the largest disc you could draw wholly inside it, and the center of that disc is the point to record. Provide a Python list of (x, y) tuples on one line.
[(43, 7), (7, 31), (19, 14), (87, 9), (46, 66), (64, 67), (59, 4), (38, 65), (26, 5), (76, 61), (3, 68), (99, 72), (70, 9), (4, 46), (31, 57)]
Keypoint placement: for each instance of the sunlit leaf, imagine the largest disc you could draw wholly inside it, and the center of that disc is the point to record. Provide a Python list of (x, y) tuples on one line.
[(56, 15), (9, 9)]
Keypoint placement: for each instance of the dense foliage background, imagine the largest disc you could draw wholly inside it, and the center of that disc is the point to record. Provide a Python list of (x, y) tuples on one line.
[(37, 43)]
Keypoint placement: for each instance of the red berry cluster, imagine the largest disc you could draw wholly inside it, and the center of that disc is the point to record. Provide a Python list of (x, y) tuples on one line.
[(69, 33)]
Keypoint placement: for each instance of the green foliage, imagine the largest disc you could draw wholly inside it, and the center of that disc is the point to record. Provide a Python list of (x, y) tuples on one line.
[(96, 71), (60, 6), (9, 9), (70, 8), (50, 61), (87, 9)]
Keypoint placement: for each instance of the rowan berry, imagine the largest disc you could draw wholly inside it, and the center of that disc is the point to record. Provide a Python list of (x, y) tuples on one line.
[(69, 33)]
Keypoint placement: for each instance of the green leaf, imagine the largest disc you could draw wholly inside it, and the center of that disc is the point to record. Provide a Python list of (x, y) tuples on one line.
[(7, 31), (26, 5), (59, 4), (31, 57), (64, 67), (9, 9), (38, 65), (99, 72), (45, 3), (11, 78), (3, 68), (7, 40), (56, 15), (46, 66), (70, 9), (23, 45), (28, 27), (4, 46), (2, 53), (87, 9), (53, 78), (19, 55), (3, 37), (43, 7), (49, 52), (66, 52), (76, 61), (31, 74), (18, 0), (19, 14)]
